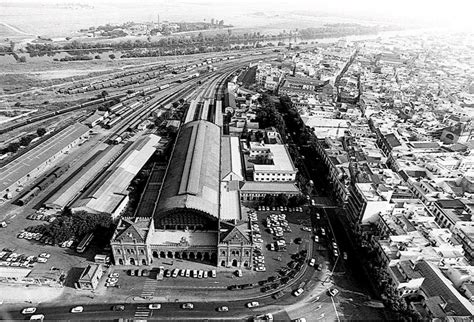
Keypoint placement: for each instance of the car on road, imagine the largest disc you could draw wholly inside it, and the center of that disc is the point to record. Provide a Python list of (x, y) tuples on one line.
[(222, 309), (77, 309), (306, 229), (312, 261), (344, 255), (238, 273), (298, 292), (187, 306), (319, 267), (299, 320), (154, 306), (37, 317), (336, 253), (252, 304), (28, 310), (333, 292), (114, 275), (118, 308), (316, 238), (45, 255), (264, 317)]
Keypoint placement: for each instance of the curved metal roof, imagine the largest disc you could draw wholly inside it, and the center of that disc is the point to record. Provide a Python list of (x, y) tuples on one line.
[(192, 180)]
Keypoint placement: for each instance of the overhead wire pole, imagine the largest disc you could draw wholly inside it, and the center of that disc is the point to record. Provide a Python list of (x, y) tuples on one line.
[(335, 310)]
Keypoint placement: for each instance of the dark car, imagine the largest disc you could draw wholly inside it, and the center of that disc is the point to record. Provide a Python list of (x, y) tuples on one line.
[(298, 240), (118, 308)]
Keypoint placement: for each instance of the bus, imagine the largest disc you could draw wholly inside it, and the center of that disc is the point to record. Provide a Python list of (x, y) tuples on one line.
[(84, 243)]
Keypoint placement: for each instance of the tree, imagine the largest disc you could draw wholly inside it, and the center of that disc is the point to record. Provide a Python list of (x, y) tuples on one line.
[(281, 200), (41, 131), (13, 147), (269, 200), (25, 140), (112, 56), (104, 94)]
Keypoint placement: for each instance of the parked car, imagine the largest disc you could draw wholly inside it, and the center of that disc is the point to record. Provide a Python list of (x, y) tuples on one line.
[(333, 292), (222, 309), (312, 261), (298, 292)]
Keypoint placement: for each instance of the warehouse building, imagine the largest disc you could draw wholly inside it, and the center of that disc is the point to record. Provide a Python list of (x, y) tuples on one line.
[(36, 161), (109, 194)]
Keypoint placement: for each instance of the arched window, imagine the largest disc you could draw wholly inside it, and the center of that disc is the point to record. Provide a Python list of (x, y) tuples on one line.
[(223, 253), (118, 251)]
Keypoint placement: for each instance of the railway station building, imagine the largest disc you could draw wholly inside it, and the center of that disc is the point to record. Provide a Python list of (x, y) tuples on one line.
[(185, 221)]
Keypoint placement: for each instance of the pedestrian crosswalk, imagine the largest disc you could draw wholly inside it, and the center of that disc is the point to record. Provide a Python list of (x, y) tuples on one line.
[(149, 288), (142, 312)]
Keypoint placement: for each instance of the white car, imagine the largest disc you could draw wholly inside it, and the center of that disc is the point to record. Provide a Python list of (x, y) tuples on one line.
[(187, 306), (114, 275), (252, 304), (42, 260), (112, 280), (333, 292), (298, 292), (45, 255), (154, 306), (214, 273), (260, 269), (77, 309), (316, 238), (312, 261), (28, 310)]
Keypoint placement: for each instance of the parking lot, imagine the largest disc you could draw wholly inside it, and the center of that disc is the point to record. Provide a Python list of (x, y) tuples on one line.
[(281, 251)]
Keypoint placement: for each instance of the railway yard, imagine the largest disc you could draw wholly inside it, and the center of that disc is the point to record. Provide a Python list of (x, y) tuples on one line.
[(85, 143)]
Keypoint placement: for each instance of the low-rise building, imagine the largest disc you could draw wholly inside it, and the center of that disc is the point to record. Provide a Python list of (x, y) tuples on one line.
[(90, 277)]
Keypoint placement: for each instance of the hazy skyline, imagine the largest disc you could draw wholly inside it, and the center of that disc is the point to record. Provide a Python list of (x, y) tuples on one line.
[(43, 14)]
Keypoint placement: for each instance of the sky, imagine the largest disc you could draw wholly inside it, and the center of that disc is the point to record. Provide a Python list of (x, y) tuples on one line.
[(445, 13)]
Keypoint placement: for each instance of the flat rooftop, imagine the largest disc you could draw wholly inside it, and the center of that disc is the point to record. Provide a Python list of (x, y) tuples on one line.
[(281, 158), (230, 202)]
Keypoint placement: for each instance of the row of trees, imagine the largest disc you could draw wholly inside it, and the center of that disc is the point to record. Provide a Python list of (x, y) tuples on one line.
[(337, 30), (24, 141), (283, 200), (294, 123), (70, 225), (268, 116)]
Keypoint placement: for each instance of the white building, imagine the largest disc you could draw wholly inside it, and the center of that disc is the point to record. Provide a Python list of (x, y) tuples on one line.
[(272, 162)]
